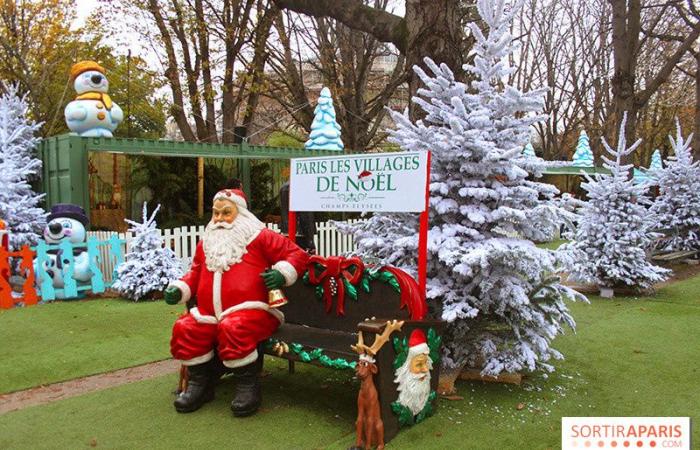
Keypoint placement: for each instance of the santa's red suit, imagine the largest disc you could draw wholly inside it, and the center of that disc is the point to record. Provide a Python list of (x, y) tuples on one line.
[(232, 313)]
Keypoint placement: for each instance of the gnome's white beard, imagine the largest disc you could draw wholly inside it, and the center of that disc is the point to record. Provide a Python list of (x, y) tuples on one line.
[(224, 244), (413, 391)]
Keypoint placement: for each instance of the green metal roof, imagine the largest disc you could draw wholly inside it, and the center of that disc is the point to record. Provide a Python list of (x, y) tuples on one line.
[(189, 149)]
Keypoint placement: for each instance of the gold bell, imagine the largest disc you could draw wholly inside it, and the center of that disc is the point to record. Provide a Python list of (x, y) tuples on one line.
[(276, 298)]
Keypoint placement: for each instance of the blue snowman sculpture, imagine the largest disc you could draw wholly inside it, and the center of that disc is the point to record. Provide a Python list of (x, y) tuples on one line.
[(92, 113), (67, 222)]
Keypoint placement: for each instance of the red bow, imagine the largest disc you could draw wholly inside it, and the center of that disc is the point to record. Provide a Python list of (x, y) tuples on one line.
[(336, 269)]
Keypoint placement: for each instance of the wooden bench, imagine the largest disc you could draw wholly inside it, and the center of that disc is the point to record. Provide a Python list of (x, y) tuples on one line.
[(320, 328)]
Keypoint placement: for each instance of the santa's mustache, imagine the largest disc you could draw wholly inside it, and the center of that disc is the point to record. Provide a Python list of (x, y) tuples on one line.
[(220, 226)]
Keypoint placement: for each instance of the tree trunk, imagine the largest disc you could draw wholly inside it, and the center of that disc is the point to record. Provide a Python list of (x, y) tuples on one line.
[(696, 135)]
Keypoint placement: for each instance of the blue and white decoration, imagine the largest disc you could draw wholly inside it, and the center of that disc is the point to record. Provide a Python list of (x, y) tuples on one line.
[(92, 113), (529, 151), (325, 131), (583, 156), (656, 162), (66, 223)]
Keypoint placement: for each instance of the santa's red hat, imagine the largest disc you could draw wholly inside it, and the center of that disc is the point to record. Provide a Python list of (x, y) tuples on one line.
[(236, 196), (418, 343)]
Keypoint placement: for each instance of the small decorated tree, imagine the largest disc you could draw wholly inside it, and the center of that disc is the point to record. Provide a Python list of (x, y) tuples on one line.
[(325, 131), (529, 151), (609, 245), (656, 163), (149, 267), (583, 156), (678, 204), (19, 204), (486, 277)]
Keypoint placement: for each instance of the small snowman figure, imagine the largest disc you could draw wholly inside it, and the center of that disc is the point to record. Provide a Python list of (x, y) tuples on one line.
[(92, 113), (67, 222)]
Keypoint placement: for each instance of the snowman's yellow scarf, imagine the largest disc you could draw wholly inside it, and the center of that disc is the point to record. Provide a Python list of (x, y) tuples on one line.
[(101, 96)]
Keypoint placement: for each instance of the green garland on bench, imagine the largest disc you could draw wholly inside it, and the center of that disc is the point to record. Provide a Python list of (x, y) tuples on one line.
[(316, 355)]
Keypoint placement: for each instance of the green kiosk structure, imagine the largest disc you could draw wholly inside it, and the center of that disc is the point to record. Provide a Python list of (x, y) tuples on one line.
[(66, 168)]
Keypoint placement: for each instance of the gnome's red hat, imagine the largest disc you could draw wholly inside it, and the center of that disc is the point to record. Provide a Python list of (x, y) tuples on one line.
[(236, 196), (418, 343)]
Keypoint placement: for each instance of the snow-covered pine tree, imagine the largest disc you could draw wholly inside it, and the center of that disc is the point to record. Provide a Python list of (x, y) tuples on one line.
[(678, 205), (609, 246), (325, 130), (497, 292), (149, 267), (18, 168)]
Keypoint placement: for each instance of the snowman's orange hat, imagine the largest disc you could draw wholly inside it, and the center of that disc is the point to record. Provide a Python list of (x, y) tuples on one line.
[(84, 66)]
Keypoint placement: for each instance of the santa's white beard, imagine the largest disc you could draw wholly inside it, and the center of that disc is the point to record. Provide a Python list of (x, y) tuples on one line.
[(414, 389), (225, 244)]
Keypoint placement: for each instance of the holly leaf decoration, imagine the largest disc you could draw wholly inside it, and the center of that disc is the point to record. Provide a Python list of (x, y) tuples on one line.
[(350, 289), (405, 414), (434, 345), (365, 284), (305, 279), (401, 349), (319, 291)]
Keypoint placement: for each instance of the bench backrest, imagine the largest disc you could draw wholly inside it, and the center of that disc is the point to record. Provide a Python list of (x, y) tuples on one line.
[(393, 294)]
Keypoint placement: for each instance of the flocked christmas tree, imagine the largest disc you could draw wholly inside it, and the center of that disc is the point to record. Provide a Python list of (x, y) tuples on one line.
[(678, 205), (497, 292), (583, 156), (18, 168), (149, 267), (325, 130), (609, 246)]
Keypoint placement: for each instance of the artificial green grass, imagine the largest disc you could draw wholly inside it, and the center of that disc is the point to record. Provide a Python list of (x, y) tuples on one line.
[(63, 340), (630, 357)]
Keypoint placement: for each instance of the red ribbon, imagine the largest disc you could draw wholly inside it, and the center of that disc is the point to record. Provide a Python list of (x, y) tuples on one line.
[(335, 269)]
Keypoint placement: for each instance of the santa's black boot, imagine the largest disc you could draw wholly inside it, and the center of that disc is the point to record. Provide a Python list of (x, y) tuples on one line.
[(248, 397), (200, 388)]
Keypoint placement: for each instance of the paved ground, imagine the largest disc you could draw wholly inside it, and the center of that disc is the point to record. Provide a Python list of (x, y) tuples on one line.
[(71, 388)]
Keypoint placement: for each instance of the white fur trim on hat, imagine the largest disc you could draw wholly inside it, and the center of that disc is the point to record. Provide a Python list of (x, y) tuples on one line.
[(230, 195), (184, 288), (287, 270), (420, 348)]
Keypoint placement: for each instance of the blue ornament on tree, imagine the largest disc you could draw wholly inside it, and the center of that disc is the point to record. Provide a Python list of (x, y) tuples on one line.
[(325, 131), (529, 151), (656, 163), (583, 156)]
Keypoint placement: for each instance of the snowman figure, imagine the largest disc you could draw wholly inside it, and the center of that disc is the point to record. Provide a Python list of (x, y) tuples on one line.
[(92, 113), (67, 222)]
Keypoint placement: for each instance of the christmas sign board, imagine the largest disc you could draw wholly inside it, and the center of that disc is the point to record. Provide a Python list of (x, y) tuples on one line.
[(383, 182)]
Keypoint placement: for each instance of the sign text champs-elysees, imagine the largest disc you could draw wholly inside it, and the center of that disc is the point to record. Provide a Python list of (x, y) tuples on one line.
[(387, 182)]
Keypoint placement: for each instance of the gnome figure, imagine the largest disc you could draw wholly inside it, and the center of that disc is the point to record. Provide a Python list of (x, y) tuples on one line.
[(92, 113)]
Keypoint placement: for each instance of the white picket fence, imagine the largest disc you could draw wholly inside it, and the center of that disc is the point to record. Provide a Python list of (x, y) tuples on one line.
[(183, 241)]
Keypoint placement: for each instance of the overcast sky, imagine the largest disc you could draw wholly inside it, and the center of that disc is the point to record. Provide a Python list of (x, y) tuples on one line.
[(84, 8)]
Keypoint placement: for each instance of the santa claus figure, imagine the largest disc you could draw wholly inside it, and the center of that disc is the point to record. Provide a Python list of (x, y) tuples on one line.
[(413, 376), (235, 264)]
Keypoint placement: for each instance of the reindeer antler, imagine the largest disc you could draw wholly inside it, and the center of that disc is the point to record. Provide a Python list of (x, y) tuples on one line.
[(379, 341)]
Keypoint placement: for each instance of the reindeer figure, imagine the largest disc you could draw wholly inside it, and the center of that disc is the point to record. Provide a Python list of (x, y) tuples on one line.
[(369, 425)]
